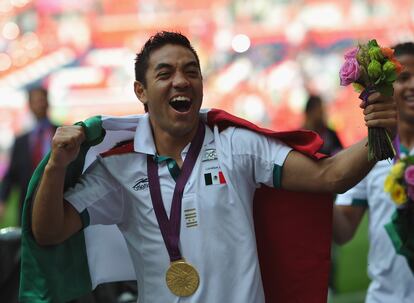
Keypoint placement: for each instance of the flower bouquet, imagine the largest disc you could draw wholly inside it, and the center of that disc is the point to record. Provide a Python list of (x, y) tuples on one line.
[(400, 185), (371, 68), (400, 182)]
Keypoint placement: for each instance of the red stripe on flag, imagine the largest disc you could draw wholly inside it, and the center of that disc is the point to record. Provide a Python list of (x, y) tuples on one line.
[(221, 178), (124, 148)]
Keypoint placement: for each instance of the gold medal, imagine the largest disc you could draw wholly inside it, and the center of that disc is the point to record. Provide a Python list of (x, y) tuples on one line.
[(182, 278)]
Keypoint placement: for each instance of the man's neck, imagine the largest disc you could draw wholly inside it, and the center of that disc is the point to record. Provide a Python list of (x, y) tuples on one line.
[(172, 146), (406, 133)]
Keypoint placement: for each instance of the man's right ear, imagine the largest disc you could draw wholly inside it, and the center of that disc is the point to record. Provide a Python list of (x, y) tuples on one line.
[(140, 92)]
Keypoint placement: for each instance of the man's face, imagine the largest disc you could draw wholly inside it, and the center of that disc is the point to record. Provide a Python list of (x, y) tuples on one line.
[(38, 104), (404, 89), (174, 91)]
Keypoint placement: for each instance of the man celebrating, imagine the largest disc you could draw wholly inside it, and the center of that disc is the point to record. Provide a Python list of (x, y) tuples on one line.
[(181, 192), (392, 280)]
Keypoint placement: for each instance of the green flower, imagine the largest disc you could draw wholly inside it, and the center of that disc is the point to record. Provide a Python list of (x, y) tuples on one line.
[(375, 53), (390, 71), (372, 43), (362, 56), (374, 70), (388, 67)]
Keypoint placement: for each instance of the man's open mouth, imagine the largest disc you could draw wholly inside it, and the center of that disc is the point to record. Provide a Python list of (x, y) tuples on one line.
[(181, 104)]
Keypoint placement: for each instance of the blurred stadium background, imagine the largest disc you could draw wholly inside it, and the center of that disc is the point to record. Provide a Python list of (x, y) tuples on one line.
[(260, 60)]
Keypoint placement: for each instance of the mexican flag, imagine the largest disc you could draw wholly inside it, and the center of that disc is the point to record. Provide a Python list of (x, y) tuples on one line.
[(293, 230), (401, 233)]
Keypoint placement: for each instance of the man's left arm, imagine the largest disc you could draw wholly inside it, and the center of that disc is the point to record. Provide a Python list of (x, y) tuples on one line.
[(345, 169)]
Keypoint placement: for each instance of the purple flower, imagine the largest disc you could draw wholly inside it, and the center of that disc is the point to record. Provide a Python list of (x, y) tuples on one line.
[(352, 53), (409, 175), (349, 71)]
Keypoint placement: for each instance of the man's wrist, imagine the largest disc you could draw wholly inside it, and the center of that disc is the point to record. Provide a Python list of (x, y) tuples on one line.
[(53, 166)]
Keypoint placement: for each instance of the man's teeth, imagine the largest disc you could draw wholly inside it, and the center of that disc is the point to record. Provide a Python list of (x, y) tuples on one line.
[(180, 98), (180, 103)]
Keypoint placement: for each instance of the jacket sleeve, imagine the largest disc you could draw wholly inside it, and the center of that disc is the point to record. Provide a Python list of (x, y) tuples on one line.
[(10, 177)]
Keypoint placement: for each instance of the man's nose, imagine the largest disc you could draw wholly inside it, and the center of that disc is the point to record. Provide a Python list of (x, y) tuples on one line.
[(180, 80)]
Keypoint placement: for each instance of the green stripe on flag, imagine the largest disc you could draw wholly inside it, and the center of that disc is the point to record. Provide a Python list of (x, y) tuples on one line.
[(56, 273), (401, 234), (208, 179)]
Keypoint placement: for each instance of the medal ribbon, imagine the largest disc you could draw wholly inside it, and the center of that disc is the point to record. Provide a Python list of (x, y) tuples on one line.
[(170, 228)]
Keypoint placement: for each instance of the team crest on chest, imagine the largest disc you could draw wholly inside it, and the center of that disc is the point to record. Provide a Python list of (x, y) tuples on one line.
[(209, 155)]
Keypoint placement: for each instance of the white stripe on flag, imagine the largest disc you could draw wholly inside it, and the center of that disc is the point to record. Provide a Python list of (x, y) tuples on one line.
[(104, 255)]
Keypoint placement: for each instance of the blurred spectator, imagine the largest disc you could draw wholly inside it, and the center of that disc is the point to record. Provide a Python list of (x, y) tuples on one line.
[(315, 120), (28, 149)]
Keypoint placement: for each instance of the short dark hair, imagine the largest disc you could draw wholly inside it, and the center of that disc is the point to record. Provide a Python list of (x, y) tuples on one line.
[(313, 102), (155, 42), (406, 48)]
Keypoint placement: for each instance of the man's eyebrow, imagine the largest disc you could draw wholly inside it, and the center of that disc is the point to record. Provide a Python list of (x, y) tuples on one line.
[(191, 64), (166, 65), (162, 65)]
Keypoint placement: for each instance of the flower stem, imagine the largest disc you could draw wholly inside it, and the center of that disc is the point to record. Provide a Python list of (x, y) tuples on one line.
[(379, 144)]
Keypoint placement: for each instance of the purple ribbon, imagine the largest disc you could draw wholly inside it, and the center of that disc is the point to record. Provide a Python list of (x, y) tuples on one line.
[(365, 95), (170, 228)]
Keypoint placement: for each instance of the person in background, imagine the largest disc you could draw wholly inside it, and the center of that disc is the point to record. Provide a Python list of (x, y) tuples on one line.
[(315, 120), (391, 279), (28, 149)]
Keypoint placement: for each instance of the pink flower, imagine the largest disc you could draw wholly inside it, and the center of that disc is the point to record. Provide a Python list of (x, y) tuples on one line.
[(409, 175), (352, 53), (349, 71)]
